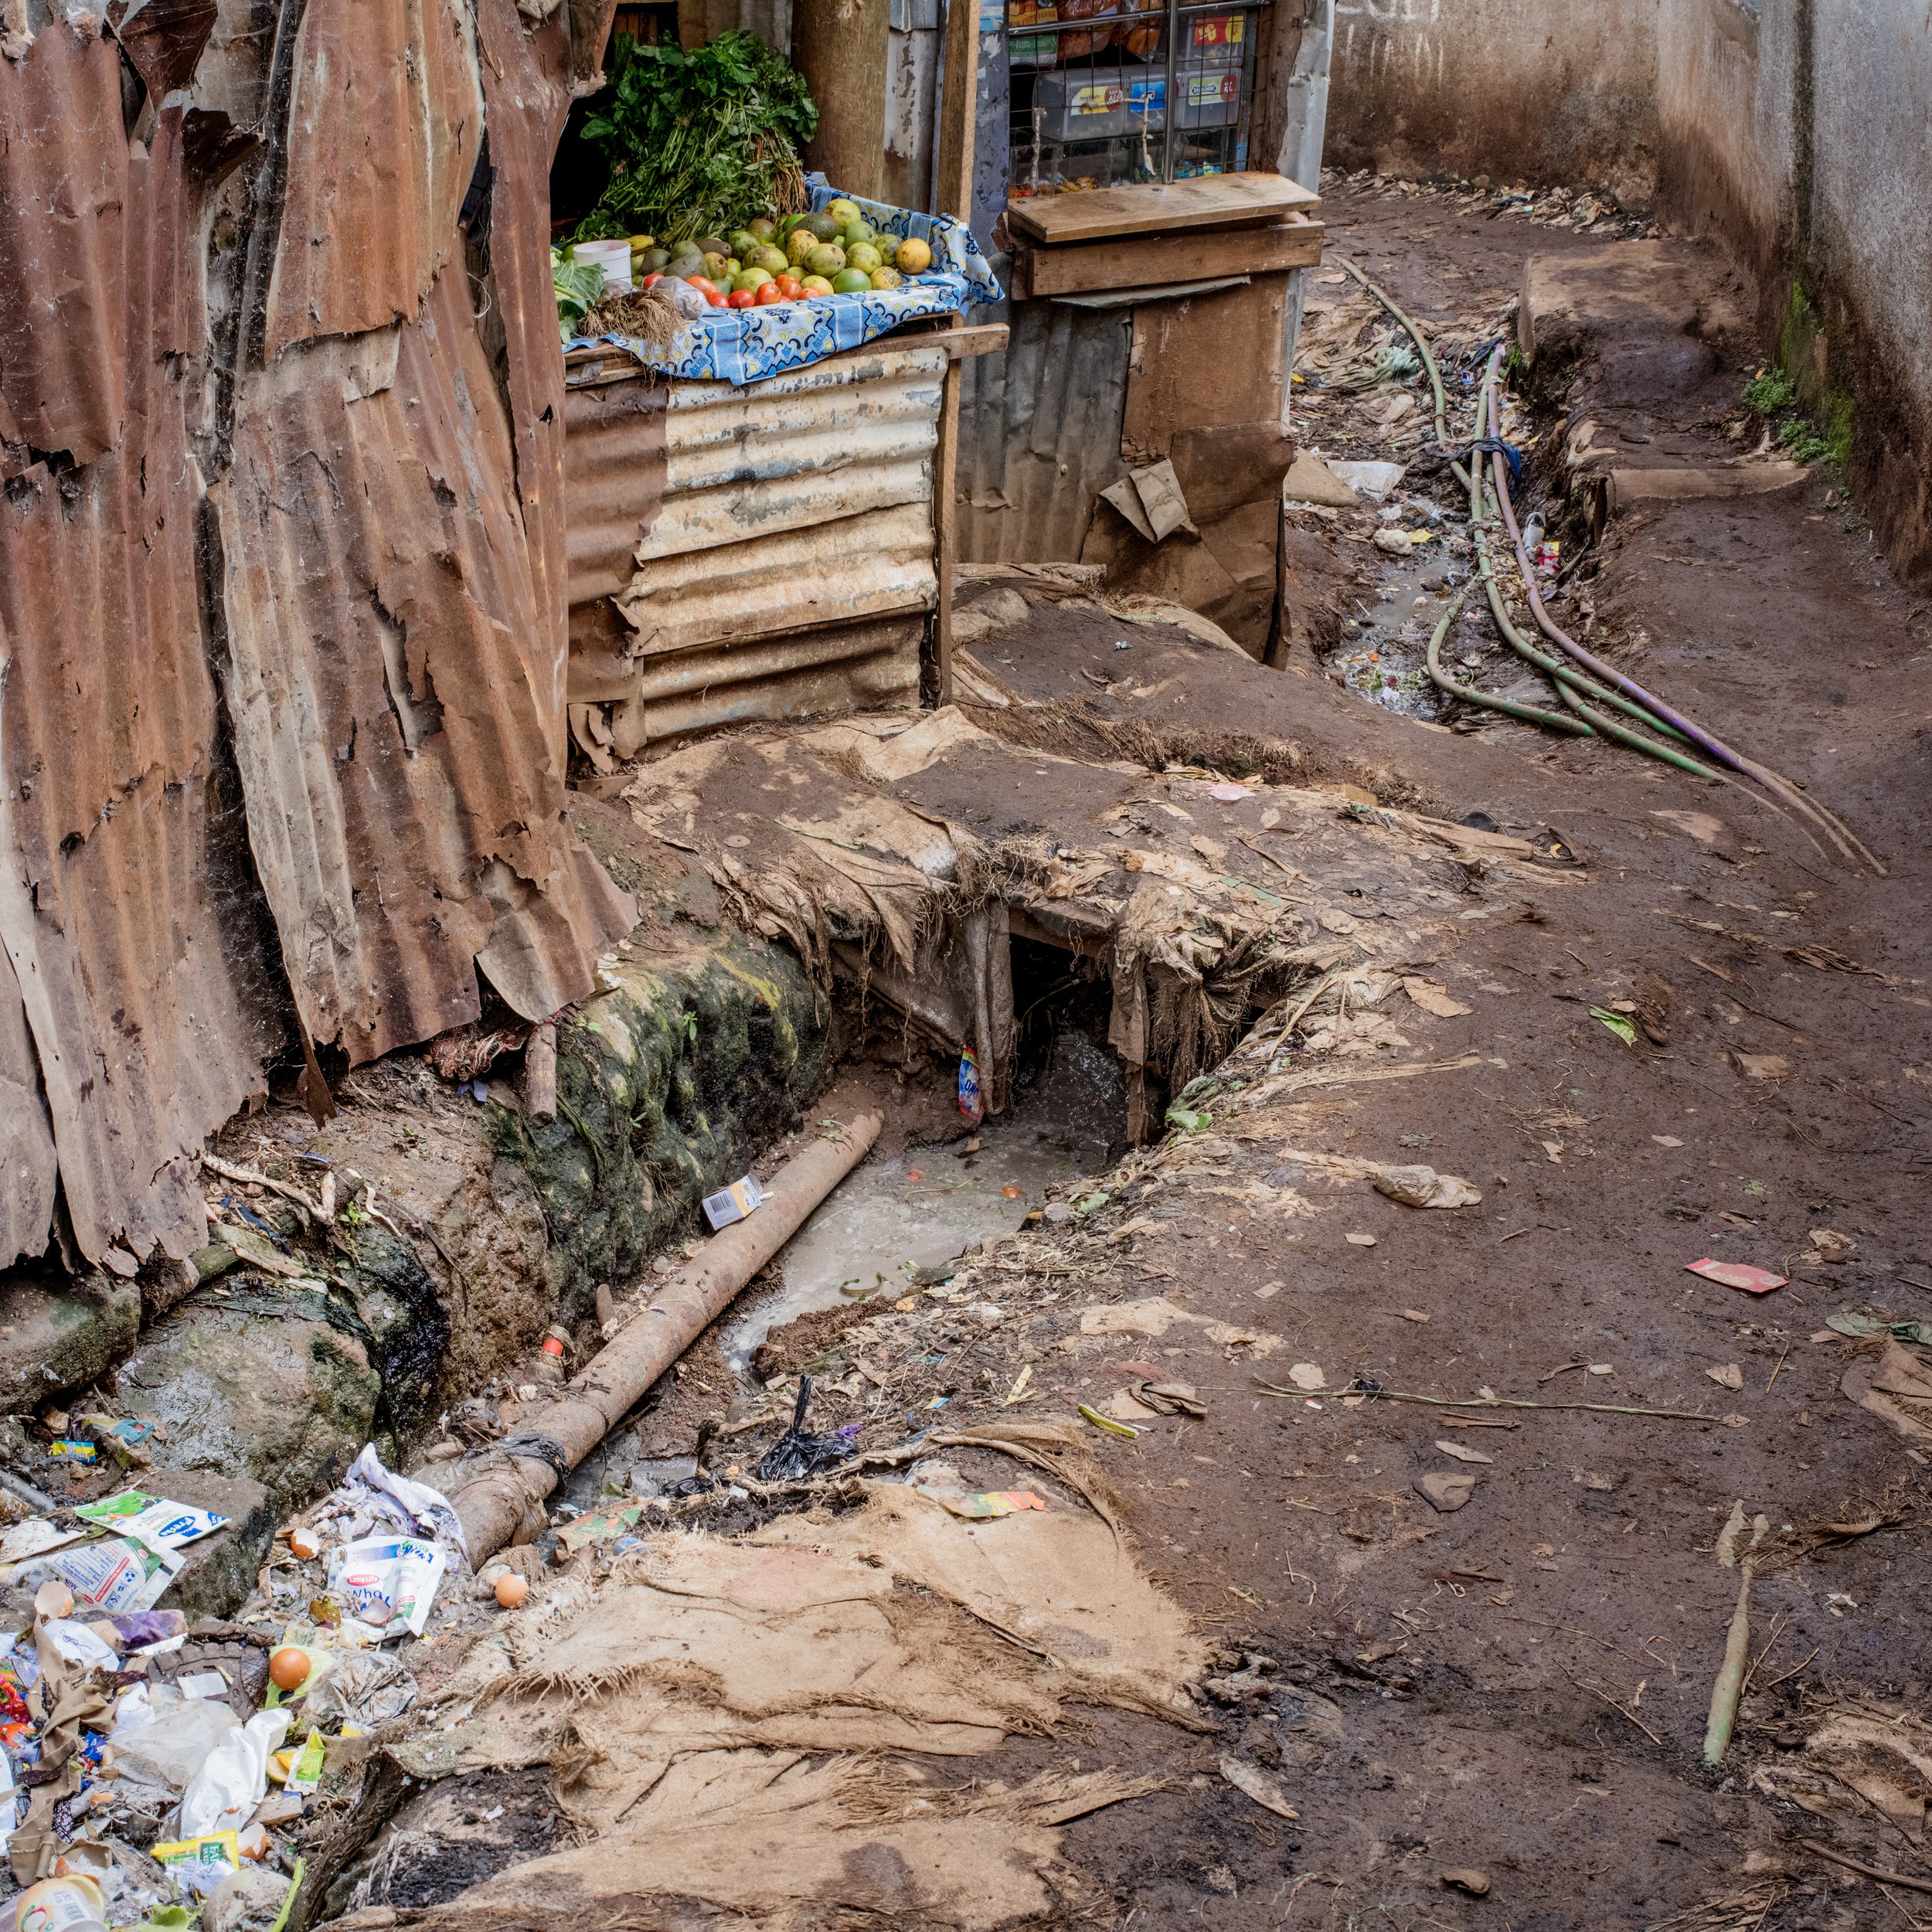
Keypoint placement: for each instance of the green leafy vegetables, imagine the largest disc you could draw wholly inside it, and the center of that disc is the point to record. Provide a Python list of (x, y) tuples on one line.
[(578, 285), (697, 142)]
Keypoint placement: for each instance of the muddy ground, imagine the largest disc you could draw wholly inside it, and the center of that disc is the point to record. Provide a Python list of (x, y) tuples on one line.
[(1665, 1025), (1519, 1688)]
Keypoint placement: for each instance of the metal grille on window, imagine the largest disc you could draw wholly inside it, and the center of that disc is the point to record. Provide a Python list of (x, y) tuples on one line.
[(1091, 83)]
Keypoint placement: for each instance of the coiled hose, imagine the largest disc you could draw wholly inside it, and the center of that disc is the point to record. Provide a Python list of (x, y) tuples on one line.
[(1608, 685)]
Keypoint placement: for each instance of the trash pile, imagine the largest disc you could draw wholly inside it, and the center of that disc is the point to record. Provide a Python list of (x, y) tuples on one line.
[(1589, 211), (158, 1769)]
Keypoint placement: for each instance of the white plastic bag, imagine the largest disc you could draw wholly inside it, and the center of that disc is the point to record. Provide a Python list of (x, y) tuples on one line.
[(175, 1742), (222, 1796)]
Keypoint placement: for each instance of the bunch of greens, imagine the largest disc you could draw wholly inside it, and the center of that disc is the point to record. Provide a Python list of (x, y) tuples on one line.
[(578, 285), (699, 142)]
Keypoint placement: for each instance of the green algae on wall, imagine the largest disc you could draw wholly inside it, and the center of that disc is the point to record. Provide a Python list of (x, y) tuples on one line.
[(667, 1082)]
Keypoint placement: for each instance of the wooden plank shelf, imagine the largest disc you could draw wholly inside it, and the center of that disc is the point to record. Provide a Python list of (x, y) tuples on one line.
[(1156, 208), (1140, 261)]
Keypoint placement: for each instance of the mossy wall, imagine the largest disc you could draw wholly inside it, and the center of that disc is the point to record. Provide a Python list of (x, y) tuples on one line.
[(667, 1085)]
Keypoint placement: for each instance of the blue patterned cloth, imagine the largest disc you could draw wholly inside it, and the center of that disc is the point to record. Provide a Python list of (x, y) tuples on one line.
[(742, 345)]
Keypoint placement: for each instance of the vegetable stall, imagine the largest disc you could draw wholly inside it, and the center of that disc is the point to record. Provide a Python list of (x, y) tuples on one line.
[(759, 375)]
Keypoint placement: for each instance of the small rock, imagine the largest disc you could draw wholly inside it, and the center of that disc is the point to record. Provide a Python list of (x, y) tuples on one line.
[(57, 1334), (1360, 1241), (1446, 1490), (1467, 1878), (218, 1571), (1462, 1452), (1307, 1375), (1729, 1376), (1057, 1214), (1423, 1187)]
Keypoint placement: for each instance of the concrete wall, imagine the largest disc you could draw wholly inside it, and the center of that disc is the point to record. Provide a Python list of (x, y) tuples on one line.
[(1798, 132), (1802, 136), (1518, 89)]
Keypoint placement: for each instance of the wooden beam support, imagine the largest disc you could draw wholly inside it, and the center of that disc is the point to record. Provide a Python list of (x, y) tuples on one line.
[(840, 46), (1143, 261), (953, 196)]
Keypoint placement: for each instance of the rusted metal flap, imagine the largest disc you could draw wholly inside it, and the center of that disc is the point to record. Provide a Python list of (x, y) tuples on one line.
[(407, 816), (63, 191), (28, 1165), (613, 463), (384, 127), (527, 81), (164, 39), (127, 909)]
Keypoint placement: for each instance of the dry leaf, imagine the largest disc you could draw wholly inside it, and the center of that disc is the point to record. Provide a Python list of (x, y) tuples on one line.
[(1431, 996)]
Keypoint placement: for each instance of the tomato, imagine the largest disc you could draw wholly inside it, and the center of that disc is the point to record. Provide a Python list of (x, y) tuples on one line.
[(739, 298), (716, 300), (769, 295), (707, 289), (649, 279), (789, 285)]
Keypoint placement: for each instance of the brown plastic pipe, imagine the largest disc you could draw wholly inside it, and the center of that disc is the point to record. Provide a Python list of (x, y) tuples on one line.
[(503, 1498)]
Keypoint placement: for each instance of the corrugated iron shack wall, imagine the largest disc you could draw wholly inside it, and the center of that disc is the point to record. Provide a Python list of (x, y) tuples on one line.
[(281, 541), (792, 515)]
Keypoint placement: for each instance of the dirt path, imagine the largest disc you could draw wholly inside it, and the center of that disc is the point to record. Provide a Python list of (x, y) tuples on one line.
[(1458, 1495), (1520, 1687)]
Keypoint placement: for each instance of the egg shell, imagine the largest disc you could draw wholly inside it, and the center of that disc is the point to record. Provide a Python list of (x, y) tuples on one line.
[(512, 1589)]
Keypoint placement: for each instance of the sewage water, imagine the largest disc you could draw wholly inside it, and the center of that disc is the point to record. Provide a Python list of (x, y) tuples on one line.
[(893, 1216)]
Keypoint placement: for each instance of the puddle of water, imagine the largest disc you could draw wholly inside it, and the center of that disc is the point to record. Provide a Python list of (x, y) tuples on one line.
[(1385, 657), (919, 1209)]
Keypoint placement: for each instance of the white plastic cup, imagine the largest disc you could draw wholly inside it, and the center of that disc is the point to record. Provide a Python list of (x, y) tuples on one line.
[(613, 257)]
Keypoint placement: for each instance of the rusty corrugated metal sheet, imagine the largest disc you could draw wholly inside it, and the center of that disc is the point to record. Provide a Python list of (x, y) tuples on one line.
[(1039, 432), (395, 618), (830, 572), (64, 170), (797, 510), (613, 469), (385, 120), (855, 433), (530, 79), (407, 816), (845, 668), (379, 573), (125, 909)]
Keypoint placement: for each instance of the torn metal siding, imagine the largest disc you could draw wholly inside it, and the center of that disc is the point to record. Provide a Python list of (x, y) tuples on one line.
[(407, 814), (125, 934), (797, 510), (1040, 433), (376, 559), (613, 470), (529, 82), (395, 550), (63, 183), (384, 126)]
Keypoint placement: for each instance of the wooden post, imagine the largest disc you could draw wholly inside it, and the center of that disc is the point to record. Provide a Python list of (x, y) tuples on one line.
[(840, 46), (954, 196)]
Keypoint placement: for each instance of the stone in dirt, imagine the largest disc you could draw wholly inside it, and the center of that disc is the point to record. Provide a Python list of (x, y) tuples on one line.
[(1423, 1187), (1446, 1490), (258, 1387), (53, 1338)]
